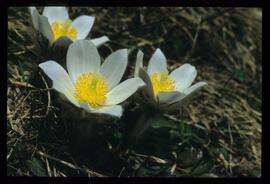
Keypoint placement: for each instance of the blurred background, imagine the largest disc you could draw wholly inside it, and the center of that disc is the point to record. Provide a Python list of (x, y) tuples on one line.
[(217, 135)]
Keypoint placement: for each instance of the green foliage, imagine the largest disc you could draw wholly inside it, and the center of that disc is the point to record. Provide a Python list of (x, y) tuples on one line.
[(160, 122), (239, 74), (37, 167)]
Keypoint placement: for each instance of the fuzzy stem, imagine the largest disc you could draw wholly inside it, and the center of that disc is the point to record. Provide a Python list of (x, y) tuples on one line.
[(181, 124), (143, 123)]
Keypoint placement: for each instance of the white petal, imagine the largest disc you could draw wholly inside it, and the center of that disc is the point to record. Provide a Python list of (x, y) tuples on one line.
[(83, 24), (124, 90), (148, 89), (114, 67), (157, 62), (82, 57), (169, 97), (114, 110), (41, 24), (34, 16), (183, 76), (191, 90), (44, 27), (55, 13), (60, 78), (139, 63), (100, 41)]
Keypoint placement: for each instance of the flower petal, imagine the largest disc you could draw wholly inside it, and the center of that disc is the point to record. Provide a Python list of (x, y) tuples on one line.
[(82, 57), (148, 88), (60, 78), (124, 90), (41, 24), (55, 13), (157, 62), (183, 76), (100, 41), (114, 110), (44, 27), (169, 97), (83, 24), (34, 16), (114, 67), (139, 63), (190, 92)]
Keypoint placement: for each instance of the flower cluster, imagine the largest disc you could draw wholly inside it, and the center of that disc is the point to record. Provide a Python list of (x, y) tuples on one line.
[(163, 90), (55, 23), (96, 87)]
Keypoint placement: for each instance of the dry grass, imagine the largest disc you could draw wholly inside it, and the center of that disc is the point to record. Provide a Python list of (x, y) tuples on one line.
[(221, 134)]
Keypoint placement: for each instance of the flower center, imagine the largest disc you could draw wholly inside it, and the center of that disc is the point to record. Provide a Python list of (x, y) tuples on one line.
[(161, 81), (64, 28), (92, 89)]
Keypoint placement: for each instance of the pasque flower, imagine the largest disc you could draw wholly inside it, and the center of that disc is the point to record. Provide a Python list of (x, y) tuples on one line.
[(163, 90), (55, 23), (90, 85)]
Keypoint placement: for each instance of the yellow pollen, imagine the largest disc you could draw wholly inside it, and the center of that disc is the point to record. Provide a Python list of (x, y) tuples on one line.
[(64, 29), (92, 89), (161, 81)]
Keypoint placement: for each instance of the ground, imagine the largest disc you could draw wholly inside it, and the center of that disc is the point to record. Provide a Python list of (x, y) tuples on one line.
[(217, 135)]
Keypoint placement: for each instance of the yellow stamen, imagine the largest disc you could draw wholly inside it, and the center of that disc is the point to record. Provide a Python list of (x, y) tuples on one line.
[(92, 89), (161, 81), (64, 29)]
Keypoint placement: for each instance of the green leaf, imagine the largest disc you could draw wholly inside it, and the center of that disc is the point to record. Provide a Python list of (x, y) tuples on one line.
[(160, 123), (203, 168), (239, 74), (225, 153), (36, 167), (118, 135)]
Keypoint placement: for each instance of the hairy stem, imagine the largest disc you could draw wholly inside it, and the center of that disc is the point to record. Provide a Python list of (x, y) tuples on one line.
[(143, 123)]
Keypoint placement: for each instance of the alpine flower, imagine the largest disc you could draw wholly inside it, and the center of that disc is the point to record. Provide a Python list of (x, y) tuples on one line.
[(163, 90), (55, 23), (90, 85)]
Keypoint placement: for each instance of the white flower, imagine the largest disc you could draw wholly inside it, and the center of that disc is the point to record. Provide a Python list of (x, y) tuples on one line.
[(163, 90), (55, 23), (90, 86)]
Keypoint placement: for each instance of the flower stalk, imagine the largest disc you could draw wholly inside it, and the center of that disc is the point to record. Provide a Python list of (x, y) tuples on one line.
[(143, 122)]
